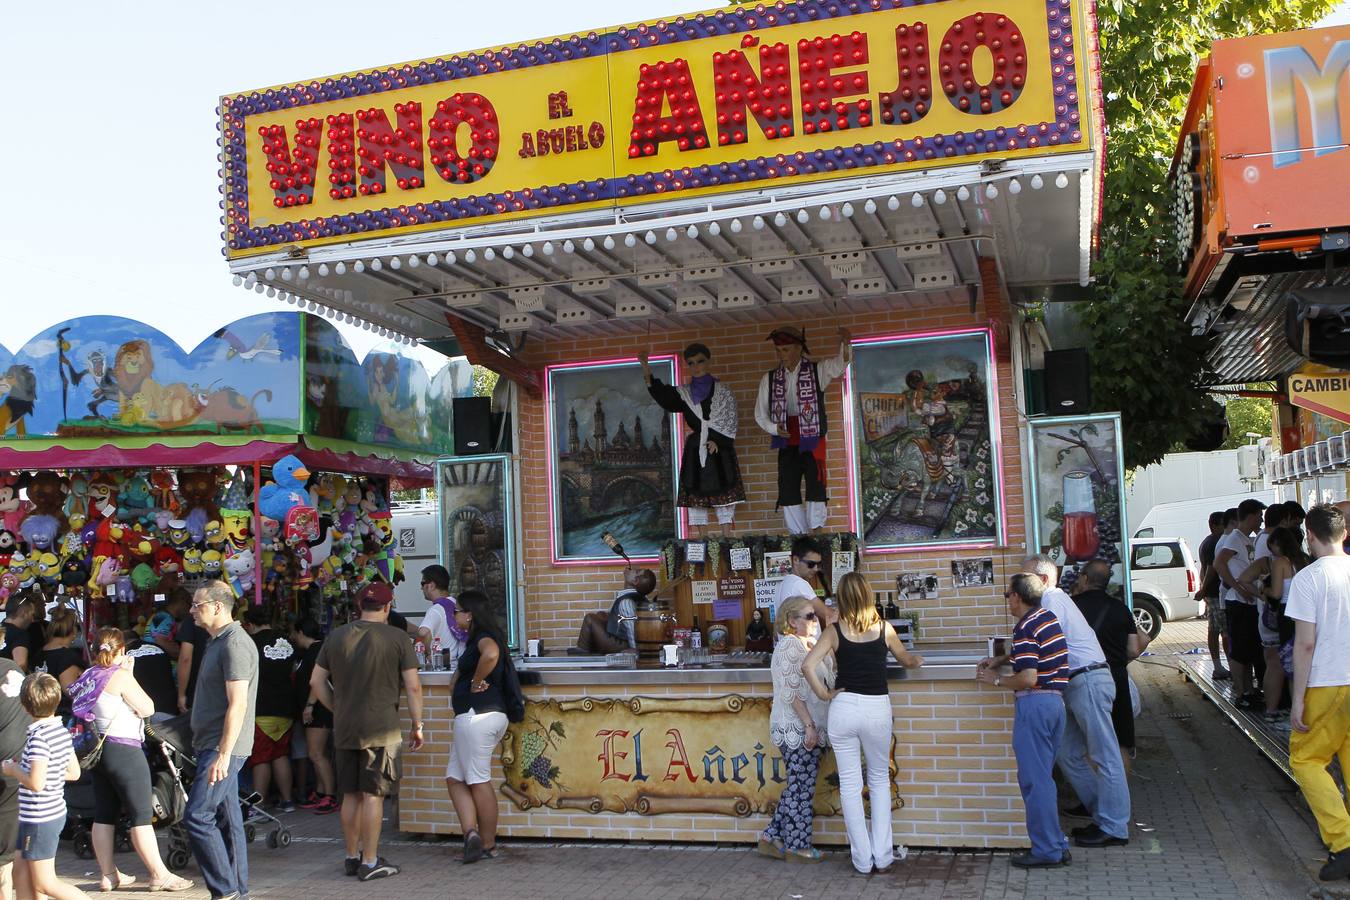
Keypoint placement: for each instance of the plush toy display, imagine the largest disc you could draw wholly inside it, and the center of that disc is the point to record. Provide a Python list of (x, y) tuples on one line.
[(119, 538)]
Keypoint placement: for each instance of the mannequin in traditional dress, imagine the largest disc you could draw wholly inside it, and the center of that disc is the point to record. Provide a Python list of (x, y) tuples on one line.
[(710, 477), (791, 407)]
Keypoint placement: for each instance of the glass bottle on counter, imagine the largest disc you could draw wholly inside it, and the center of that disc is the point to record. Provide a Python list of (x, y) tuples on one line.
[(881, 604), (696, 636), (892, 611)]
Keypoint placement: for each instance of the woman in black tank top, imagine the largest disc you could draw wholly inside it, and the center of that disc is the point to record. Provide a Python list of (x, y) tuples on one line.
[(860, 642)]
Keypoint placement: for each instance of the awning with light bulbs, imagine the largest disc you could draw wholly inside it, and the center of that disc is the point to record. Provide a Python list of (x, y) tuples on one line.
[(717, 165)]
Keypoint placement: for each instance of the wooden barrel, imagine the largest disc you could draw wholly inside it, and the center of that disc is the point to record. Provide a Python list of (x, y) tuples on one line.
[(652, 628)]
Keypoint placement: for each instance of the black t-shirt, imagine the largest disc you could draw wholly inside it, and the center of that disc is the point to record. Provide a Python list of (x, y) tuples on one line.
[(14, 637), (302, 674), (1210, 589), (276, 663), (189, 633), (14, 721), (37, 636), (398, 620), (464, 698), (153, 671), (1112, 622), (57, 660)]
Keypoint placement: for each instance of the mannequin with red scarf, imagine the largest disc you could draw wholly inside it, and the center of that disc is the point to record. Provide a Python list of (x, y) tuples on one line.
[(791, 407)]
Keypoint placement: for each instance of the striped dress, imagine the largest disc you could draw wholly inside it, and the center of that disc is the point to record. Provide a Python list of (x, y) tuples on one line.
[(49, 740), (1038, 643)]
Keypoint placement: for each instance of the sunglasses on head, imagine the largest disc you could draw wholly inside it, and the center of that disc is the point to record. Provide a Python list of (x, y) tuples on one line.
[(809, 615)]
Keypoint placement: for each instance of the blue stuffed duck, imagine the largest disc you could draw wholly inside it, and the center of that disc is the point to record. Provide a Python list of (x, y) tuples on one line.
[(287, 489)]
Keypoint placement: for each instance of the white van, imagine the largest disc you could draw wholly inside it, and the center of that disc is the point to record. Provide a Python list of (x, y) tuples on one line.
[(417, 529), (1190, 518)]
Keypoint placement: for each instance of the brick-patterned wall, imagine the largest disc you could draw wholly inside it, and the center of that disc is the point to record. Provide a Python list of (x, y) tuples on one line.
[(556, 597), (957, 776)]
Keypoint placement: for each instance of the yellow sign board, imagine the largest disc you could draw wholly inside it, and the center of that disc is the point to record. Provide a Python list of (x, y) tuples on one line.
[(653, 755), (735, 99), (1321, 390)]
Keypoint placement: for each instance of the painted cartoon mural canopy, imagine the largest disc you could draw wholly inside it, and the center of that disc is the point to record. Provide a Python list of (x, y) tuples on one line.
[(89, 391)]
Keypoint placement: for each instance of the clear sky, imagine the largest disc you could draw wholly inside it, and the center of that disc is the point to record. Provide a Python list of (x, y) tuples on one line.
[(109, 189)]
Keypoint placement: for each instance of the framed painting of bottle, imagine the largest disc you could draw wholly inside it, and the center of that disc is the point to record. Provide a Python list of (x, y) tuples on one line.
[(1078, 495)]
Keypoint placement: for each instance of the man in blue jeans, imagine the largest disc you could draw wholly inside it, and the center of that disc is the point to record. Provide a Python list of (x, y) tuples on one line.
[(1040, 662), (1089, 754), (222, 740)]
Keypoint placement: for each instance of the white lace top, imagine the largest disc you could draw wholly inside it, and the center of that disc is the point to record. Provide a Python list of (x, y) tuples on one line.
[(785, 727)]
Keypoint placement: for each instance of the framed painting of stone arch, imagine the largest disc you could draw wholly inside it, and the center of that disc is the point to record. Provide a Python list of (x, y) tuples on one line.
[(924, 441), (477, 531), (612, 459)]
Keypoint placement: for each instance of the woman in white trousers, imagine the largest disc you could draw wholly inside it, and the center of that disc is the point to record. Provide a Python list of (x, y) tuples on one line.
[(860, 717)]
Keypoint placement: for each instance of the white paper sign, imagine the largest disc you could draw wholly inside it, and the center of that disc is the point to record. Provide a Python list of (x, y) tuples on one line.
[(765, 590), (841, 563), (740, 559), (695, 552), (704, 591)]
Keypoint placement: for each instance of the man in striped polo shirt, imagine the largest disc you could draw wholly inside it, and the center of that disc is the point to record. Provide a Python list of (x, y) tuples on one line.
[(1040, 663)]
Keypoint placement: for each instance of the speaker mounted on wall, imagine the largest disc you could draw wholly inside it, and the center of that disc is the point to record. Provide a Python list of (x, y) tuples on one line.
[(472, 425), (1067, 382)]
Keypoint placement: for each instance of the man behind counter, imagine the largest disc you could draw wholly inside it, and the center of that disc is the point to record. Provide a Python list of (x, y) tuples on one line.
[(614, 631)]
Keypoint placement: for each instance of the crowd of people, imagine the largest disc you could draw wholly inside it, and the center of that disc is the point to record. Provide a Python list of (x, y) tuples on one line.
[(1276, 582), (316, 720), (309, 720), (1073, 708)]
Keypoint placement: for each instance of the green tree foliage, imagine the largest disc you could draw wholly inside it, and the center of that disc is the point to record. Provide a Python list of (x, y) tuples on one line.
[(1248, 414), (1145, 362)]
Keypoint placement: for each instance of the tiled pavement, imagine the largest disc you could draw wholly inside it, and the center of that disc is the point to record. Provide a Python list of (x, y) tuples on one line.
[(1213, 819)]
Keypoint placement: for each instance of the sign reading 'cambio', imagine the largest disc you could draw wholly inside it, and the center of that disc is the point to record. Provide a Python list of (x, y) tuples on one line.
[(708, 103)]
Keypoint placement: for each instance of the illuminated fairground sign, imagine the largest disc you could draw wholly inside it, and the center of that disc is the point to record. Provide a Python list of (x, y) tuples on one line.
[(729, 100)]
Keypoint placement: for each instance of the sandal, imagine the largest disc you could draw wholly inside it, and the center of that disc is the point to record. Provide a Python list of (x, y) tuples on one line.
[(805, 855), (473, 846), (492, 853), (771, 849), (116, 880), (171, 885)]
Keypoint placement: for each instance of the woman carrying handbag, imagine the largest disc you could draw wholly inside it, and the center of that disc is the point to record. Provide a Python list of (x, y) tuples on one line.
[(107, 694)]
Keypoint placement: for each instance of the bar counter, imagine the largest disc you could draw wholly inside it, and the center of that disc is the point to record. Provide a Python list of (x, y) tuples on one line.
[(670, 754)]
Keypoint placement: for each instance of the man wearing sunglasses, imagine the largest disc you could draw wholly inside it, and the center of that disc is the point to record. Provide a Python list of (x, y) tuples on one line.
[(807, 559)]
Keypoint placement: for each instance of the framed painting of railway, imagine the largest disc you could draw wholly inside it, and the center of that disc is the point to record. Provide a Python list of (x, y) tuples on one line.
[(924, 441), (1077, 510), (477, 516), (612, 459)]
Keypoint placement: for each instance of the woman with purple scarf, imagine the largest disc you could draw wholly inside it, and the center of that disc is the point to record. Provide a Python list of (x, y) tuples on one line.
[(710, 477), (107, 695)]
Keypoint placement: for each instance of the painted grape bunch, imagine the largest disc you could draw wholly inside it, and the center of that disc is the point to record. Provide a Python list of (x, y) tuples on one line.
[(541, 767), (531, 746)]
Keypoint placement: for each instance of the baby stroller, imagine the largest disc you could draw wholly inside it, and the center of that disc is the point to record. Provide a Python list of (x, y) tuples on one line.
[(168, 800), (174, 740)]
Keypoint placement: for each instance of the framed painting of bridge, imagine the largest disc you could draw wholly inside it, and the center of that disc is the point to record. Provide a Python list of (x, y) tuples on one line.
[(923, 437), (1077, 509), (612, 460)]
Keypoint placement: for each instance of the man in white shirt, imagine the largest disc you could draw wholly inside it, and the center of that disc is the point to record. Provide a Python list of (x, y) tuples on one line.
[(1232, 555), (791, 407), (1319, 604), (1089, 754), (438, 623), (800, 582)]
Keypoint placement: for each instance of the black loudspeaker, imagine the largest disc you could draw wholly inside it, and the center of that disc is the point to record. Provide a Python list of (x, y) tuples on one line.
[(1211, 431), (1317, 325), (1067, 381), (472, 425)]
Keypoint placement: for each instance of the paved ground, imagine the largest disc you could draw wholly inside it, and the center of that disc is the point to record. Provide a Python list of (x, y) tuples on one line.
[(1213, 819)]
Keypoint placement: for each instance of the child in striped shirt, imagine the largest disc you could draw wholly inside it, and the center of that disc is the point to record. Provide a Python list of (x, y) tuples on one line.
[(48, 762)]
